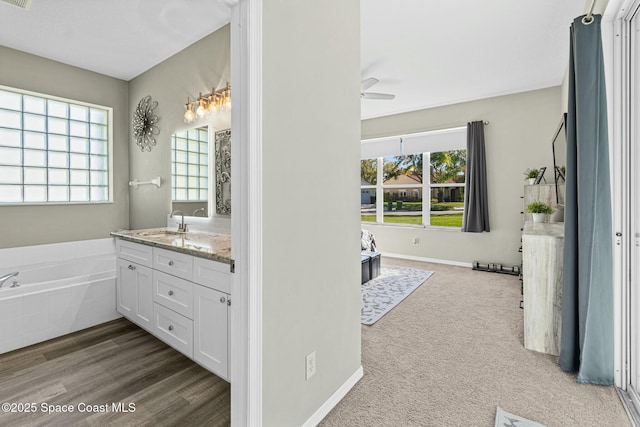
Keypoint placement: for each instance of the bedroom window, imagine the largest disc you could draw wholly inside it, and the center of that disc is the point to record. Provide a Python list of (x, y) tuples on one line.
[(402, 175), (368, 189), (53, 150), (401, 193)]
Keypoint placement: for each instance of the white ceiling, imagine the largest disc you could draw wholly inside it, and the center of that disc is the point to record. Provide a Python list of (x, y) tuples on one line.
[(435, 52), (427, 52), (119, 38)]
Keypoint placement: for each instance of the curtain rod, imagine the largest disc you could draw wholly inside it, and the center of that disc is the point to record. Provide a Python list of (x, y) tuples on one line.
[(464, 125), (589, 18)]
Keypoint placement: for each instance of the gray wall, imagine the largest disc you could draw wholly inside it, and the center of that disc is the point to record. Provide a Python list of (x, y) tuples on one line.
[(311, 273), (32, 225), (196, 69), (518, 137)]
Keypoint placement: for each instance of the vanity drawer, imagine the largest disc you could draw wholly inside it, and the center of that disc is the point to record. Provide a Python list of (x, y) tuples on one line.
[(173, 293), (134, 252), (174, 263), (212, 274), (174, 329)]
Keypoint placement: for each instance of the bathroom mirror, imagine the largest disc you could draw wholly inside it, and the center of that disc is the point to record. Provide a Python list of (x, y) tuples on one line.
[(223, 172), (559, 147), (190, 160)]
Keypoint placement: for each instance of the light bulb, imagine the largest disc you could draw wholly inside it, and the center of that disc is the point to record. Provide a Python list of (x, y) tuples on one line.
[(200, 111), (188, 115), (213, 105)]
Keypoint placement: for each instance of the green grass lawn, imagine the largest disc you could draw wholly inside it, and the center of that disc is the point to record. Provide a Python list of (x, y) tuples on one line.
[(417, 206), (451, 220), (451, 204)]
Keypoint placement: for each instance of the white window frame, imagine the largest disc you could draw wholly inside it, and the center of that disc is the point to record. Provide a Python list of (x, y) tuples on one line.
[(426, 186), (109, 125)]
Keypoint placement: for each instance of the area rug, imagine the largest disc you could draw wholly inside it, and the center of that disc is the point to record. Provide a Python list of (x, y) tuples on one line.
[(505, 419), (388, 289)]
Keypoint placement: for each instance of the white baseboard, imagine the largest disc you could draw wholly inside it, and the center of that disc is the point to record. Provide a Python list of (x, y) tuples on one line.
[(335, 398), (437, 261)]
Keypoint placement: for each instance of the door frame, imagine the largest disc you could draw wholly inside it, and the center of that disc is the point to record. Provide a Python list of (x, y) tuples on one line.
[(245, 318), (616, 34)]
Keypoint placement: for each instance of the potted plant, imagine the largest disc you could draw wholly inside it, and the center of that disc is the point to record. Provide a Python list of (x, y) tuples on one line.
[(539, 210), (531, 175)]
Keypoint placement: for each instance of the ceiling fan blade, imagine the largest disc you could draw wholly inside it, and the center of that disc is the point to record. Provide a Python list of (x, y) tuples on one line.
[(371, 95), (366, 84)]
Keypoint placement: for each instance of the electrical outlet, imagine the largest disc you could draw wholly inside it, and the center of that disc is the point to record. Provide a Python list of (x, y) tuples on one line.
[(310, 364)]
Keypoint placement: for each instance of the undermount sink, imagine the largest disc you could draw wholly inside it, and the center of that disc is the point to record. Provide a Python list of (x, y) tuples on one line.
[(188, 244)]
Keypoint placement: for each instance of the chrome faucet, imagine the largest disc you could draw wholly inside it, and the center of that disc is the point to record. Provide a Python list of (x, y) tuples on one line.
[(181, 226), (7, 277), (195, 213)]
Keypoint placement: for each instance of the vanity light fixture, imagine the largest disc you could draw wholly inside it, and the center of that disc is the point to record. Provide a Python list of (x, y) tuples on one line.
[(217, 100)]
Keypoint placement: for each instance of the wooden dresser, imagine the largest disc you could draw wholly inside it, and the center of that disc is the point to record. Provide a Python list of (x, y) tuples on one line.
[(542, 260)]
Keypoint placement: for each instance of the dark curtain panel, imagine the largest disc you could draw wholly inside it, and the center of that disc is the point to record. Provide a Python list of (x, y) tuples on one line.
[(476, 205), (587, 293)]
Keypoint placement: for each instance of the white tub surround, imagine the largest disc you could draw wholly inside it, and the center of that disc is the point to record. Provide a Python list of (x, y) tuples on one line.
[(177, 286), (542, 259), (63, 288)]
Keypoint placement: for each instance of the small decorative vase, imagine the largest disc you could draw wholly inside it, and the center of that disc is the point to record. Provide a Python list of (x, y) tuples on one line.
[(532, 181), (558, 214), (538, 217)]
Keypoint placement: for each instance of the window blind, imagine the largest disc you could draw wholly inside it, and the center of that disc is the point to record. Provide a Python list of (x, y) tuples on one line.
[(422, 142)]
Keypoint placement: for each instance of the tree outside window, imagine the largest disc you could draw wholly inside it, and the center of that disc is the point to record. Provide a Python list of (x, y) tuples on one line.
[(404, 188)]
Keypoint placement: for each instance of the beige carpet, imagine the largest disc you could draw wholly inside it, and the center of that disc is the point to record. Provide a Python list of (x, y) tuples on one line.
[(453, 351)]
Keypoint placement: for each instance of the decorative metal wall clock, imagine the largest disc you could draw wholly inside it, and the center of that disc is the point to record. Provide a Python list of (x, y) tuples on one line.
[(144, 124)]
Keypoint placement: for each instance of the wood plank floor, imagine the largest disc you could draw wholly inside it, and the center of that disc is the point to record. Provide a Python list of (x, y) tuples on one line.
[(116, 362)]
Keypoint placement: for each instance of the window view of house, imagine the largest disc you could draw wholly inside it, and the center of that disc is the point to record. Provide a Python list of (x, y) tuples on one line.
[(402, 185)]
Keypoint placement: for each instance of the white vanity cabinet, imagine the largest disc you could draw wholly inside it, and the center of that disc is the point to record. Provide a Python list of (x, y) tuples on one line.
[(134, 283), (181, 299), (211, 330)]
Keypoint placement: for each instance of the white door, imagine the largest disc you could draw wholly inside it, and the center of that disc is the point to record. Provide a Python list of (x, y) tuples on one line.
[(634, 367), (144, 296), (125, 289), (210, 339), (134, 290)]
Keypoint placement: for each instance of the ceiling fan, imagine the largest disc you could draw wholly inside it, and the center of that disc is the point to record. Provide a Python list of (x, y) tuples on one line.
[(366, 84)]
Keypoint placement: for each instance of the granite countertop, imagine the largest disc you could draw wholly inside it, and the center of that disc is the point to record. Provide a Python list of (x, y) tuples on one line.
[(202, 244), (549, 229)]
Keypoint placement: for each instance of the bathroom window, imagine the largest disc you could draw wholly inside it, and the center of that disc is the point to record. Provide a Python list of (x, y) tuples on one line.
[(53, 150), (190, 165)]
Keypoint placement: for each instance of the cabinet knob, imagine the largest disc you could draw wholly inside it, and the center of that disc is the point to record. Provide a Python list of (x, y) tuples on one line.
[(171, 262), (170, 293), (131, 267), (223, 300), (170, 327)]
